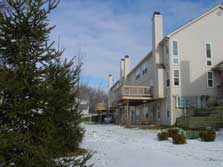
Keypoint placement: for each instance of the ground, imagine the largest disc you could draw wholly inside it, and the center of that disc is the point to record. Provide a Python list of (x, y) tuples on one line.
[(115, 146)]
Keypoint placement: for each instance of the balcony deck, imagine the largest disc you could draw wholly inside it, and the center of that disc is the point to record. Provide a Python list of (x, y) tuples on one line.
[(127, 92)]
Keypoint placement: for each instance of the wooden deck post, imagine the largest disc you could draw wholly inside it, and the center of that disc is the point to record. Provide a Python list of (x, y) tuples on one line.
[(127, 110)]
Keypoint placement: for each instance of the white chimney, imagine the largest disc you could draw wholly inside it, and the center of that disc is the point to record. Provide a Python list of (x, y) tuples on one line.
[(127, 66), (110, 82), (157, 36), (157, 30), (122, 69)]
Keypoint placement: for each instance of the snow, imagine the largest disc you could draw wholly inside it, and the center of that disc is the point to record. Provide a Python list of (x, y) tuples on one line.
[(115, 146)]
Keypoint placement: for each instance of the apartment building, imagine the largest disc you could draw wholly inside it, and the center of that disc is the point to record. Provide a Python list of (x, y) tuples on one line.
[(183, 71)]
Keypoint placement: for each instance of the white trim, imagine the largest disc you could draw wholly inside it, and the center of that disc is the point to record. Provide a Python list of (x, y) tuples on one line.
[(206, 58), (210, 79), (175, 77), (175, 56), (195, 20)]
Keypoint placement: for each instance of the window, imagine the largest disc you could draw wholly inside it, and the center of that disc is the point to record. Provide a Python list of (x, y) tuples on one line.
[(208, 55), (138, 74), (145, 69), (176, 77), (158, 115), (168, 79), (175, 48), (175, 53), (179, 102), (168, 113), (147, 114), (210, 79)]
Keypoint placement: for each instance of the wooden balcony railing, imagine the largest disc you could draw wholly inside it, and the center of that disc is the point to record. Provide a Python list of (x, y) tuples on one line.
[(135, 92)]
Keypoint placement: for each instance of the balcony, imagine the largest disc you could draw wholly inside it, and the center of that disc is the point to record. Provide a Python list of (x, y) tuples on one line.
[(128, 92)]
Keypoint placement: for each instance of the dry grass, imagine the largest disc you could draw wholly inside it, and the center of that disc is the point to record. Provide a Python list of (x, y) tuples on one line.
[(77, 152), (149, 127)]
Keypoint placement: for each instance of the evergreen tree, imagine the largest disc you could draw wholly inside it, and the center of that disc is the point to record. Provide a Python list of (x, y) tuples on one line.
[(63, 103), (34, 130)]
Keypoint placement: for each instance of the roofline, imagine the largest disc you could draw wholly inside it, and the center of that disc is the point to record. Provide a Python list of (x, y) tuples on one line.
[(164, 40), (138, 64), (217, 66), (194, 20), (116, 83)]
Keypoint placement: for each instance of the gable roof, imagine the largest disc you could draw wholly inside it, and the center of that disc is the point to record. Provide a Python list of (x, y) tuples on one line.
[(219, 66), (194, 20), (138, 64)]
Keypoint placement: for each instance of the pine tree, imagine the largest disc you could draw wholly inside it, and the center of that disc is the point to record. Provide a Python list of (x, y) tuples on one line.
[(63, 103), (30, 76)]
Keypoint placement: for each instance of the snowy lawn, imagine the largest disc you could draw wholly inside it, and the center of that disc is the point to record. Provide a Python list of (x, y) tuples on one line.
[(115, 146)]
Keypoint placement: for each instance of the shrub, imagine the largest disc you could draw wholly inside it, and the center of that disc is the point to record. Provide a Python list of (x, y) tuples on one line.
[(208, 135), (179, 139), (163, 136), (173, 132)]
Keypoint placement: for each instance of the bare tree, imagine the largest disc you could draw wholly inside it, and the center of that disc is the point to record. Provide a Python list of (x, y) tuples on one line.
[(93, 95)]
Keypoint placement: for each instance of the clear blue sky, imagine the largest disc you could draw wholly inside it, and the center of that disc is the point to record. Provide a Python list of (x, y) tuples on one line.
[(102, 31)]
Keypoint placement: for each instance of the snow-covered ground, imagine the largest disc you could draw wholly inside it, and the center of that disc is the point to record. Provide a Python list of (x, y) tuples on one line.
[(115, 146)]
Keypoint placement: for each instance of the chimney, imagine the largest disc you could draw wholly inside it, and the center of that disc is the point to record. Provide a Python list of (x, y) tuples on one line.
[(126, 66), (157, 29), (122, 69), (109, 82)]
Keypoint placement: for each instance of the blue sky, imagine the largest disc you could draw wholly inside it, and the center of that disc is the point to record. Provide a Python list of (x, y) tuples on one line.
[(101, 32)]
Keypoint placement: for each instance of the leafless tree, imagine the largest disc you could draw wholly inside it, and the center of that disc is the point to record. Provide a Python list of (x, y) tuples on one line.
[(93, 95)]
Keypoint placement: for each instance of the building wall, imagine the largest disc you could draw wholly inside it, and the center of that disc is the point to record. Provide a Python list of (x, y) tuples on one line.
[(192, 66), (145, 79), (112, 95), (192, 55)]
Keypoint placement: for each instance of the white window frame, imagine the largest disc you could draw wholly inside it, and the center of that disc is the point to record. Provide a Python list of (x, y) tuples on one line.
[(210, 79), (179, 100), (176, 77), (208, 58), (175, 56)]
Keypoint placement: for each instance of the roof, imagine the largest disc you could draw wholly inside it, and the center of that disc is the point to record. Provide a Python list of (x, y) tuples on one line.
[(194, 20), (147, 56), (115, 84), (219, 66)]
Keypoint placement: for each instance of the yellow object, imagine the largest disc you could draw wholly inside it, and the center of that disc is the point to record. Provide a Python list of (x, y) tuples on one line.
[(101, 107)]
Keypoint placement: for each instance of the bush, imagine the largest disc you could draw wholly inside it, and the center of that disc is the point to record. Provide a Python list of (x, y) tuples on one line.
[(208, 135), (173, 132), (179, 139), (163, 136)]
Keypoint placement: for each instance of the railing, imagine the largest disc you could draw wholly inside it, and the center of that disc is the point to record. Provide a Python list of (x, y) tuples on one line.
[(101, 107), (135, 91)]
